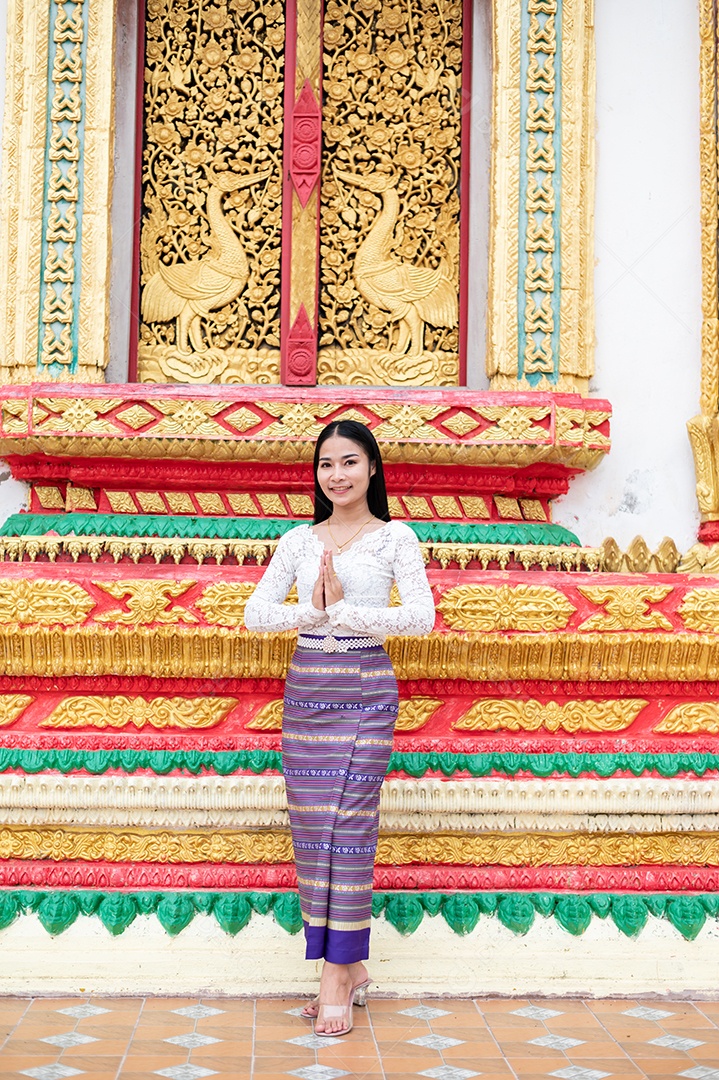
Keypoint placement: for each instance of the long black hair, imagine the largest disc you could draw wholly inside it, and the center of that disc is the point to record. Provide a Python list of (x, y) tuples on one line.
[(377, 491)]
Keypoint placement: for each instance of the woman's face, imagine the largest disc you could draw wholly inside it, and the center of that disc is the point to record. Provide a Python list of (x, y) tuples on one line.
[(344, 471)]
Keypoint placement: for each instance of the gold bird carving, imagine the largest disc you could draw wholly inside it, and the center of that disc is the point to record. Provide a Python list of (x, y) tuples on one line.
[(189, 291), (413, 295)]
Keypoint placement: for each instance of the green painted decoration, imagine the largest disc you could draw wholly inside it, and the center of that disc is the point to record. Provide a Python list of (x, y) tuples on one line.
[(225, 762), (223, 528), (57, 910)]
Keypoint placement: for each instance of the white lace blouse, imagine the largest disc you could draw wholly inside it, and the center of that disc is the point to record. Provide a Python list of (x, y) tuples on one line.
[(366, 571)]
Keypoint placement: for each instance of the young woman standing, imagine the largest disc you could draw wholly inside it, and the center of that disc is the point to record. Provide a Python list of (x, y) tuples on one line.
[(340, 703)]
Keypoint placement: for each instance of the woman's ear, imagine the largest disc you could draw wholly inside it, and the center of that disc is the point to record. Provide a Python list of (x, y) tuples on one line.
[(372, 468)]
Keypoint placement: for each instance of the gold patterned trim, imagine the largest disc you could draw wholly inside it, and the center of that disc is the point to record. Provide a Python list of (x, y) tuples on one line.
[(120, 712), (506, 607), (496, 714), (275, 846), (16, 548), (177, 651), (513, 432)]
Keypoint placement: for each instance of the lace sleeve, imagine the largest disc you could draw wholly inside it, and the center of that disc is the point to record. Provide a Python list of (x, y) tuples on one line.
[(265, 609), (416, 613)]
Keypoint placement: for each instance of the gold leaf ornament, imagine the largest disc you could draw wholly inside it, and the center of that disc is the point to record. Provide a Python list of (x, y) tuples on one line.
[(415, 712), (119, 712), (700, 610), (45, 603), (11, 707), (691, 718), (224, 604), (268, 718), (485, 608), (147, 602), (496, 714), (626, 607)]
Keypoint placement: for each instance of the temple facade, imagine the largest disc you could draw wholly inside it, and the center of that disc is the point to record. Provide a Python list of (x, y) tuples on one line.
[(489, 231)]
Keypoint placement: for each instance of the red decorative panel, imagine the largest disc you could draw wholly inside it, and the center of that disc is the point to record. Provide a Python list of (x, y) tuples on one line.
[(301, 351), (306, 144)]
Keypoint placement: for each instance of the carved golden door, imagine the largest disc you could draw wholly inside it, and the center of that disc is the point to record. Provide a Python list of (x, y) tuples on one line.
[(301, 192)]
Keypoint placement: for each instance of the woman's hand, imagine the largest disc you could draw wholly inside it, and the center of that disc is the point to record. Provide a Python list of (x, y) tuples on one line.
[(318, 593), (333, 586)]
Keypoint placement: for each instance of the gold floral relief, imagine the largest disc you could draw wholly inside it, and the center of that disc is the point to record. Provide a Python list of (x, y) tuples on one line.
[(389, 232), (486, 608), (212, 191), (121, 712), (497, 714), (691, 718)]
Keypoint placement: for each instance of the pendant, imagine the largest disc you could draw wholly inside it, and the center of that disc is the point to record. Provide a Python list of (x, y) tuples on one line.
[(329, 644)]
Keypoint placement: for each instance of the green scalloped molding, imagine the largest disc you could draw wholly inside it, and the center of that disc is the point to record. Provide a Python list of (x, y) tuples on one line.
[(226, 528), (57, 910), (225, 762)]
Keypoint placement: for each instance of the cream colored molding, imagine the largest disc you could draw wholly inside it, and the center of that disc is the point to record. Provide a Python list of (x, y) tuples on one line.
[(422, 805), (434, 961), (421, 823)]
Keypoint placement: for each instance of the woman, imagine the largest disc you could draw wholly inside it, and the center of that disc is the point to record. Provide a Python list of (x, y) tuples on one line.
[(340, 702)]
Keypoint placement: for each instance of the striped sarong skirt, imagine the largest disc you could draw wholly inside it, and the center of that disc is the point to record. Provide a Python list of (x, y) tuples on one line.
[(339, 715)]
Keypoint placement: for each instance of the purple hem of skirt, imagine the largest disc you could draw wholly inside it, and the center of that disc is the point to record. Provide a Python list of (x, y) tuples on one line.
[(336, 946)]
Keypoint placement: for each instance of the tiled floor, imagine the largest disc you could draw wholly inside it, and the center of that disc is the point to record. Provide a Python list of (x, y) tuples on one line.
[(187, 1039)]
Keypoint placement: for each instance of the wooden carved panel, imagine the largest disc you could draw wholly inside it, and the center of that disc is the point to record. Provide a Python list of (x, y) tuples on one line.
[(212, 191), (390, 222)]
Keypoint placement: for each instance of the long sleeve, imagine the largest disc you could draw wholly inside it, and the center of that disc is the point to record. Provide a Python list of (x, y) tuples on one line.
[(265, 609), (416, 613)]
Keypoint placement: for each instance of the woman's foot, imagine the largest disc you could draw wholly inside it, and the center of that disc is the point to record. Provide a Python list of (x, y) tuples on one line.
[(359, 977), (337, 988)]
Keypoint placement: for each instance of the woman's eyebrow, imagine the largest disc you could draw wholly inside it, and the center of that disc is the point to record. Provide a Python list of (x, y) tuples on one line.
[(343, 458)]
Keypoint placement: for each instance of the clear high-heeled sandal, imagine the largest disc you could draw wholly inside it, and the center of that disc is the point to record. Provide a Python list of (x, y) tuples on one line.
[(359, 998), (340, 1012)]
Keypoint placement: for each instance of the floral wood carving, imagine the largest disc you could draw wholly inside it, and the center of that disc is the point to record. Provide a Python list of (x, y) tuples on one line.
[(389, 230), (212, 191)]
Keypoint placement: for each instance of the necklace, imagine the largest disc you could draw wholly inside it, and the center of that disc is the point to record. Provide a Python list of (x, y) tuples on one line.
[(340, 547)]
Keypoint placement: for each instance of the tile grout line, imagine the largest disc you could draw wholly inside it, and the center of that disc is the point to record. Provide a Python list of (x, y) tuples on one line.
[(543, 1022), (616, 1042), (130, 1040), (495, 1040), (19, 1022), (660, 1024), (689, 1053), (376, 1044), (254, 1029)]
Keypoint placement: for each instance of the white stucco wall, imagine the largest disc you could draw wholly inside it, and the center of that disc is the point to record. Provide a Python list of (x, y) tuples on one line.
[(648, 274)]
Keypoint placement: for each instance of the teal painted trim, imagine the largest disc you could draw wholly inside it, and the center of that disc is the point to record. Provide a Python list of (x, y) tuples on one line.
[(226, 762), (66, 31), (224, 528), (58, 909), (220, 528), (533, 378)]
